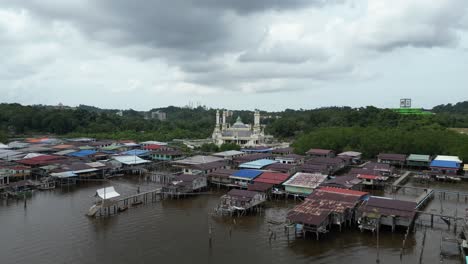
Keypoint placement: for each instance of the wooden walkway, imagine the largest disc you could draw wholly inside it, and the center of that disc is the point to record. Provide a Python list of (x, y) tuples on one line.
[(401, 180)]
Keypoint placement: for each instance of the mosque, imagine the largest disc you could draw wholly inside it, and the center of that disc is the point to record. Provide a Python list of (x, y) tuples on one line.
[(239, 133)]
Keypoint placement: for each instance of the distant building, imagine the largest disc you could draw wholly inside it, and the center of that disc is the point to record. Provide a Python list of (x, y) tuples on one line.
[(239, 133), (119, 113), (161, 116)]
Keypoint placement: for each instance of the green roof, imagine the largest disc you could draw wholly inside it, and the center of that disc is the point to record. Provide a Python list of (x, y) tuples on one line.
[(411, 111), (86, 147), (418, 157), (112, 147)]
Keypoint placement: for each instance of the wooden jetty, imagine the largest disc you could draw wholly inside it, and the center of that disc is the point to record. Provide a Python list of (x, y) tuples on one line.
[(401, 180), (108, 206)]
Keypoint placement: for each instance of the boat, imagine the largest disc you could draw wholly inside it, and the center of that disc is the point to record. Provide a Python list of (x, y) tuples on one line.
[(122, 208), (454, 179), (441, 177), (93, 210), (46, 186), (137, 203)]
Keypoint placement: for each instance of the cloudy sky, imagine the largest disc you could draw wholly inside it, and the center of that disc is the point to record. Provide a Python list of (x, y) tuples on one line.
[(238, 54)]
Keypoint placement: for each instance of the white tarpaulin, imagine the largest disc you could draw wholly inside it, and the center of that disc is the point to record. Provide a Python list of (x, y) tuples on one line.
[(107, 193)]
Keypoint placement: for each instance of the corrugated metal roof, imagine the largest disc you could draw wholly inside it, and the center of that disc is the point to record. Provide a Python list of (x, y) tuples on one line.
[(445, 164), (257, 164), (64, 174), (136, 152), (350, 154), (448, 158), (249, 174), (198, 159), (392, 156), (308, 180), (272, 177), (259, 186), (343, 191), (280, 167), (82, 153), (372, 177), (387, 206), (228, 153), (130, 160), (319, 151), (223, 173), (419, 157)]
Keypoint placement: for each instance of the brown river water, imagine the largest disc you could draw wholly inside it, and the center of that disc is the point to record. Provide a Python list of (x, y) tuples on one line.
[(53, 228)]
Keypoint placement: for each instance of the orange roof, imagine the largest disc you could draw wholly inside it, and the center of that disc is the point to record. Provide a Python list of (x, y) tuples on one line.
[(342, 191), (35, 140), (371, 177), (63, 146)]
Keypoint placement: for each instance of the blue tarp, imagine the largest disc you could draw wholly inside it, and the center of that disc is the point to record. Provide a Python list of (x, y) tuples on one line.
[(445, 164), (257, 164), (249, 174), (135, 152), (82, 153)]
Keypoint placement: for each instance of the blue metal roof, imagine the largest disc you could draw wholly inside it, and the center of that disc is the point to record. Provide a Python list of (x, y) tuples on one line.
[(249, 174), (257, 164), (135, 152), (445, 164), (82, 153)]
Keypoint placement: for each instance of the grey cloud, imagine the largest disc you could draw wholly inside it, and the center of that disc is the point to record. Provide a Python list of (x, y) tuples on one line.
[(286, 53), (422, 26)]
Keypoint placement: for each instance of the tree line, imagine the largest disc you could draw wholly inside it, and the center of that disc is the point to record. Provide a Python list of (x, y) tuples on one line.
[(367, 129)]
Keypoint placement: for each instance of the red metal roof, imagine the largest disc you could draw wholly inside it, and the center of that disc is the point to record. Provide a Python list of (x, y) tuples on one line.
[(343, 191), (272, 177), (152, 147), (371, 177), (44, 159)]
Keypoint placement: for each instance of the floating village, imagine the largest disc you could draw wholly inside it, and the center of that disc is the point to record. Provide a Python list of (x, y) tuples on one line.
[(329, 190)]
